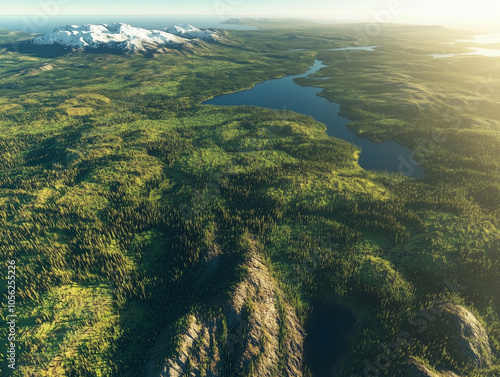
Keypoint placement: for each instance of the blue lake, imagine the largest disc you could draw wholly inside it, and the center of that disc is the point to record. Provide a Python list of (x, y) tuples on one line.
[(487, 40), (285, 94), (327, 328), (328, 325), (478, 51)]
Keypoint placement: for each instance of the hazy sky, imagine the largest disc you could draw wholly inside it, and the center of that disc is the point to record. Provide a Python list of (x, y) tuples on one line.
[(445, 12)]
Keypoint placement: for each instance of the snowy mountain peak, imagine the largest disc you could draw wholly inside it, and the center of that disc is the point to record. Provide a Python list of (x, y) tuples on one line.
[(183, 28), (124, 37), (191, 32)]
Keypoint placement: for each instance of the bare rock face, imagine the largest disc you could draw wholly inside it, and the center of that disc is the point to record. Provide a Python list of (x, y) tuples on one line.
[(258, 305), (467, 341), (259, 334), (193, 354), (469, 338)]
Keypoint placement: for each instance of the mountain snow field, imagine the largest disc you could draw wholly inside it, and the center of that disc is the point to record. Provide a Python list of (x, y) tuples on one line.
[(125, 37)]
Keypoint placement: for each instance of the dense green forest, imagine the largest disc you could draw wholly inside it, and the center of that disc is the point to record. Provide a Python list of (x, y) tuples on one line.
[(115, 184)]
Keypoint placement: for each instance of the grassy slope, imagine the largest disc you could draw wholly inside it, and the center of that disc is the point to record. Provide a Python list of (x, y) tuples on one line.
[(115, 182)]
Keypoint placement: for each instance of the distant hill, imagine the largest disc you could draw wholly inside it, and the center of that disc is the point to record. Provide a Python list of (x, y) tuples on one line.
[(244, 21)]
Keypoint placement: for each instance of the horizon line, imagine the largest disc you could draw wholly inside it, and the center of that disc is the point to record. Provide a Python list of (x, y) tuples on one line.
[(324, 21)]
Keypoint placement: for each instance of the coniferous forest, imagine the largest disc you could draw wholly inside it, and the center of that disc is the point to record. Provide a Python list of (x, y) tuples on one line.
[(135, 214)]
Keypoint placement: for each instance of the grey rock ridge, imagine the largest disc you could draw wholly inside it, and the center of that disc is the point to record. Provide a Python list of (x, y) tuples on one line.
[(259, 333), (468, 337), (466, 340)]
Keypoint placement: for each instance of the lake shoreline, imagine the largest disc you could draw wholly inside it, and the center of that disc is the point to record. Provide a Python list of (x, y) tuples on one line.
[(285, 93)]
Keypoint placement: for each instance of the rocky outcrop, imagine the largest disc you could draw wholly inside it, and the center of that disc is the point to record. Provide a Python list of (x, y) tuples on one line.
[(259, 333), (258, 304), (468, 338), (193, 354), (466, 341)]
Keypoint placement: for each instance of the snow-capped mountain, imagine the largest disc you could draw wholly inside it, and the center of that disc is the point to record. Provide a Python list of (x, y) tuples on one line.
[(124, 37), (191, 32)]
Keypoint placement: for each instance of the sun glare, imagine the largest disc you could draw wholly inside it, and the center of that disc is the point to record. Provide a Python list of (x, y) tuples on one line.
[(481, 13)]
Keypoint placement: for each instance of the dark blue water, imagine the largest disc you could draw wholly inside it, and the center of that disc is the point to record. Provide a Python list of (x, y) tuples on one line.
[(327, 328), (44, 24), (285, 94)]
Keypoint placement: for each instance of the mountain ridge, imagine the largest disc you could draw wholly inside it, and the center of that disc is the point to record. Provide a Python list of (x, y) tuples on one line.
[(125, 37)]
